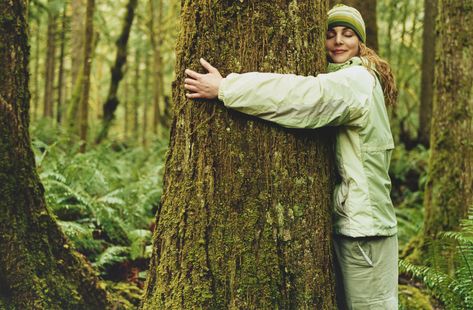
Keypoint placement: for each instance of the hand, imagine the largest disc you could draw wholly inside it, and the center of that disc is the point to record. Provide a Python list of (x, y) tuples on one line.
[(204, 86)]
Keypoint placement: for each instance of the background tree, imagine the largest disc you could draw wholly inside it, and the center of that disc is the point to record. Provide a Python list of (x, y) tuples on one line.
[(38, 269), (50, 71), (367, 9), (449, 189), (428, 71), (245, 216), (112, 100), (87, 63)]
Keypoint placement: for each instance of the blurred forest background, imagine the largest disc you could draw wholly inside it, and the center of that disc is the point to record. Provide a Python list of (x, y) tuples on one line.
[(100, 135)]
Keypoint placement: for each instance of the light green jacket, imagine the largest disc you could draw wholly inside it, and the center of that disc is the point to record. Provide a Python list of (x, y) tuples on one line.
[(351, 98)]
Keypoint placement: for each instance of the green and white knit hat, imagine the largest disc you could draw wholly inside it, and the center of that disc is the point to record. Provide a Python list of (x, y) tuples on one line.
[(343, 15)]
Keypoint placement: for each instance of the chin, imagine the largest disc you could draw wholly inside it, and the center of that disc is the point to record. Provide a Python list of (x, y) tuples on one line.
[(340, 59)]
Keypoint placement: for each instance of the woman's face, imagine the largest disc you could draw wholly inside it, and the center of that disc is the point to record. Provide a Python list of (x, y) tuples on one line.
[(341, 44)]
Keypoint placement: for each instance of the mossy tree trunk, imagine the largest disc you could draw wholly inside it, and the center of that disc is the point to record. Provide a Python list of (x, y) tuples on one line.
[(245, 220), (157, 40), (428, 71), (38, 269), (50, 70), (367, 9), (60, 84), (87, 63), (449, 190), (111, 103)]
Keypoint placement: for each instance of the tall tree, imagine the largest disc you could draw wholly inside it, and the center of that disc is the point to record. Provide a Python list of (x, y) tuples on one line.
[(449, 189), (136, 93), (428, 71), (77, 38), (38, 269), (60, 83), (156, 38), (50, 61), (245, 216), (87, 62), (367, 9), (111, 103)]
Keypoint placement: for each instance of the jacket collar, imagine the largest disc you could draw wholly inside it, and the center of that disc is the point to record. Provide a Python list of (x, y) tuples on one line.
[(354, 61)]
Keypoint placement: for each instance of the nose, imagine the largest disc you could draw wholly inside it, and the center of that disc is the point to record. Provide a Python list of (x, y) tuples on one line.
[(338, 39)]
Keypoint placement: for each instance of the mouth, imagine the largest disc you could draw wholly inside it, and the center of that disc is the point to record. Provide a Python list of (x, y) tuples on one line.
[(337, 52)]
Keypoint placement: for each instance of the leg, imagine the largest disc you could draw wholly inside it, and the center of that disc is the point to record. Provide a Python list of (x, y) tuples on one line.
[(368, 268)]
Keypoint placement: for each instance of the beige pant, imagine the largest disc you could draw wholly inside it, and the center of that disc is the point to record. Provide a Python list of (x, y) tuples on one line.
[(367, 272)]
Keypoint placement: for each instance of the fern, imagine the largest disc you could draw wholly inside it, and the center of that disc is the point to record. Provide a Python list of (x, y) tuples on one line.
[(454, 289)]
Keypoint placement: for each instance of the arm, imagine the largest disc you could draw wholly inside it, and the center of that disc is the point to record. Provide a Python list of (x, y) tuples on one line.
[(338, 98)]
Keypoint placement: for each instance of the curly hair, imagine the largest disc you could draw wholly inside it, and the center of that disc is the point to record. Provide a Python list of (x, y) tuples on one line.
[(383, 70)]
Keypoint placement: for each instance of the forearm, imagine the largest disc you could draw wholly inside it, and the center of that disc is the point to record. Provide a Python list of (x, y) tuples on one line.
[(286, 99)]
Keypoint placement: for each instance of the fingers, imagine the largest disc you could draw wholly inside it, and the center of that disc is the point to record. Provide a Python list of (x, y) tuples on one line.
[(191, 88), (191, 81), (194, 95), (193, 74), (208, 66)]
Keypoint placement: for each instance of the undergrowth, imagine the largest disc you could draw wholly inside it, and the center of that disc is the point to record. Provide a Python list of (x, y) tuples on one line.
[(449, 270), (103, 199)]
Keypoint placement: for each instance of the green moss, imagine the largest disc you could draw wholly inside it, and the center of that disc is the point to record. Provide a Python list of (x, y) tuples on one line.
[(411, 298)]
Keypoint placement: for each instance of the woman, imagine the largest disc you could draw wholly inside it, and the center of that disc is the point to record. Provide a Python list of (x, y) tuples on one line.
[(351, 96)]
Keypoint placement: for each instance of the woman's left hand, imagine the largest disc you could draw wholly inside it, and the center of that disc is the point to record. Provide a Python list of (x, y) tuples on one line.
[(203, 86)]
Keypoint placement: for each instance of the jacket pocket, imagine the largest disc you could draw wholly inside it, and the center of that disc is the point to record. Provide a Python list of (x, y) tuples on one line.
[(340, 198)]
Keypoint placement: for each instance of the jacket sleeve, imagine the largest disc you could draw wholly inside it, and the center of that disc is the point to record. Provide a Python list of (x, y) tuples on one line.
[(331, 99)]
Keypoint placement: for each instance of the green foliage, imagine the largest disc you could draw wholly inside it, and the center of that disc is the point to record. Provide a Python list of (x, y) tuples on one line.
[(400, 42), (408, 173), (450, 275), (104, 199), (411, 298)]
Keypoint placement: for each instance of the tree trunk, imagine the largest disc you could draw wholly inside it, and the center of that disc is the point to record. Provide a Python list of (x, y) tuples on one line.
[(137, 97), (77, 39), (111, 103), (87, 61), (36, 96), (156, 37), (367, 9), (50, 63), (126, 107), (38, 269), (60, 84), (428, 71), (245, 216), (449, 189), (145, 102)]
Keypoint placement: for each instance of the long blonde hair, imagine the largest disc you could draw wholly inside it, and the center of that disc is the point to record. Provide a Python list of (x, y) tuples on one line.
[(372, 60)]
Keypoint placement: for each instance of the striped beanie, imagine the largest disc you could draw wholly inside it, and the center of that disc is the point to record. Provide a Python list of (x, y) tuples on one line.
[(343, 15)]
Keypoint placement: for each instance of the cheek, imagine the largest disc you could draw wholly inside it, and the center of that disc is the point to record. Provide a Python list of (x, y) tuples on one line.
[(355, 47)]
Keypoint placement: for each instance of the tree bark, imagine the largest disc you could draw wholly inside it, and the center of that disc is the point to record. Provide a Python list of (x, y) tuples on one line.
[(111, 103), (60, 83), (145, 102), (449, 189), (367, 9), (77, 39), (156, 38), (36, 93), (38, 269), (245, 216), (49, 77), (137, 96), (87, 62), (428, 71)]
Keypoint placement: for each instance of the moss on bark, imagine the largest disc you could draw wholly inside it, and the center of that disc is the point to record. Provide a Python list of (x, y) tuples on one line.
[(245, 216), (449, 189), (38, 269)]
